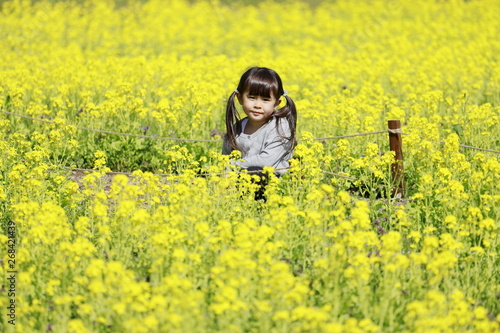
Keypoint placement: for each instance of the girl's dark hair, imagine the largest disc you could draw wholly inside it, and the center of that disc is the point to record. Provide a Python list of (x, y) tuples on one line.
[(260, 81)]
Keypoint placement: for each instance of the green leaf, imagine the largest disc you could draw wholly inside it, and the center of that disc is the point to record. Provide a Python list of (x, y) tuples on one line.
[(457, 128)]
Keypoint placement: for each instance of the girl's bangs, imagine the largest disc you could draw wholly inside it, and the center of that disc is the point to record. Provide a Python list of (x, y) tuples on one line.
[(261, 87)]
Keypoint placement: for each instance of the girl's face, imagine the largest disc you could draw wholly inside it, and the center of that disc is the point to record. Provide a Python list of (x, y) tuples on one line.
[(257, 108)]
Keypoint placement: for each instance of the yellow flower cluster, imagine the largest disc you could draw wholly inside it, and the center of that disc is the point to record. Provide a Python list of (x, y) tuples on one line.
[(188, 249)]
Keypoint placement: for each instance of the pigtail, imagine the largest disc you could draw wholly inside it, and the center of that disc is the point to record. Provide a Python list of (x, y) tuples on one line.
[(233, 124), (289, 111)]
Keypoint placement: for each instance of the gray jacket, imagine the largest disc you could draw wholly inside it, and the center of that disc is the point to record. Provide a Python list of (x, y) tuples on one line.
[(265, 147)]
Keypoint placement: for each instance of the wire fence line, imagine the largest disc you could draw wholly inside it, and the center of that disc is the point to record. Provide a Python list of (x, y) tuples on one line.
[(391, 131), (477, 148), (111, 132), (155, 137), (351, 135), (339, 175)]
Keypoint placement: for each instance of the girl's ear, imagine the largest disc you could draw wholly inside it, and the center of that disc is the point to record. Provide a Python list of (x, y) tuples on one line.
[(278, 102), (240, 98)]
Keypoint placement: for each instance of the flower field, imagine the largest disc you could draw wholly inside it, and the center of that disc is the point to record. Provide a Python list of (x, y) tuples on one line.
[(164, 235)]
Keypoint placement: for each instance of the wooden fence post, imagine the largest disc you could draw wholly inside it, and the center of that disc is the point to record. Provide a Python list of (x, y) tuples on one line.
[(397, 169)]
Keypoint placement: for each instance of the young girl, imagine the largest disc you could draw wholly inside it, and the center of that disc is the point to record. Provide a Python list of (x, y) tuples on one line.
[(266, 137)]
